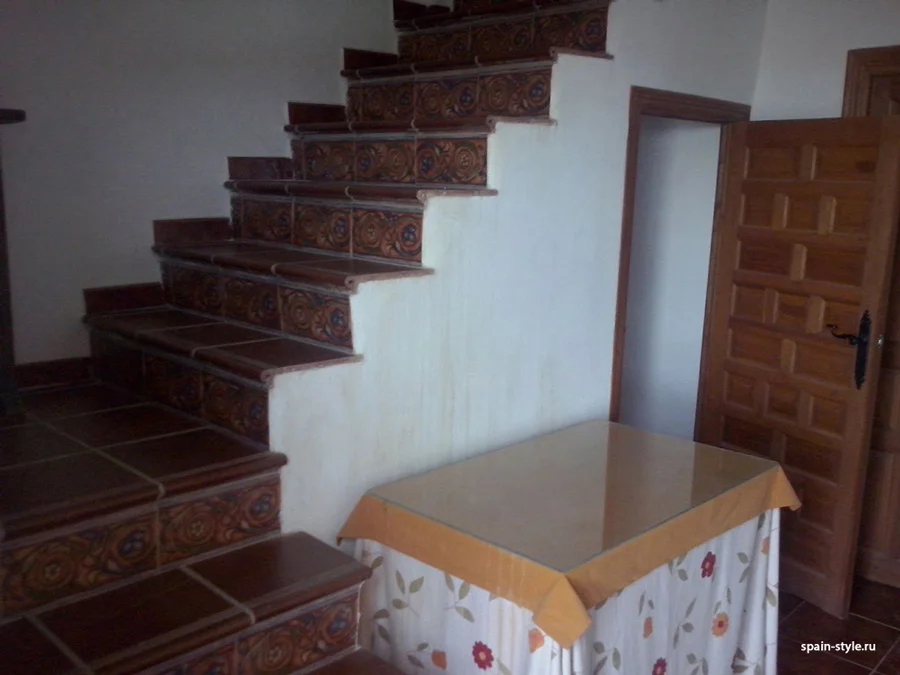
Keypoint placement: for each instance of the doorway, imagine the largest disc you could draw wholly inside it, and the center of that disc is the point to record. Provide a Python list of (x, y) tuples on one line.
[(675, 192)]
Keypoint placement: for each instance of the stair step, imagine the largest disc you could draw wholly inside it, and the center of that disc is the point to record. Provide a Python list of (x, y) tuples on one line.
[(458, 158), (356, 193), (292, 598), (484, 124), (97, 484), (580, 26), (518, 88), (486, 9), (239, 350), (387, 231), (311, 268)]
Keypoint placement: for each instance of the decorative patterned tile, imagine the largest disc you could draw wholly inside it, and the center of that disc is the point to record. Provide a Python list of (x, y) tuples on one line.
[(193, 289), (328, 160), (269, 221), (242, 409), (300, 642), (499, 40), (41, 572), (253, 302), (440, 46), (118, 364), (173, 384), (386, 102), (447, 98), (388, 234), (223, 661), (576, 30), (460, 161), (325, 227), (515, 94), (313, 315), (197, 526), (386, 161)]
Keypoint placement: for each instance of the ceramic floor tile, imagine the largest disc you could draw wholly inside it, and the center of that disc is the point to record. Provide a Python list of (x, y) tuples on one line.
[(25, 651), (186, 340), (877, 602), (135, 324), (273, 575), (811, 624), (32, 443), (252, 360), (76, 401), (359, 662), (125, 425), (172, 609)]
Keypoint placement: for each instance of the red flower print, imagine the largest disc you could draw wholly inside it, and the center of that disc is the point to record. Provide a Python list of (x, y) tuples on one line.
[(708, 566), (535, 640), (648, 627), (484, 657), (764, 549), (660, 667), (720, 624)]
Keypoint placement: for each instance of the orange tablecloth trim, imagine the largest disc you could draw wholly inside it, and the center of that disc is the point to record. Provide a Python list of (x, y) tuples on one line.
[(561, 600)]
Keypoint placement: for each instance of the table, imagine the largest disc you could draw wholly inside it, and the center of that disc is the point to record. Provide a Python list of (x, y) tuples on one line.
[(595, 549)]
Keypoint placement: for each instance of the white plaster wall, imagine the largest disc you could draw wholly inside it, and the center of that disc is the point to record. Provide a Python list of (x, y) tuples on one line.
[(674, 202), (133, 107), (512, 336), (804, 56)]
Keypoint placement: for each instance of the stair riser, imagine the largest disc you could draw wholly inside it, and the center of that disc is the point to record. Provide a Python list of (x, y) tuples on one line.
[(438, 161), (344, 228), (82, 558), (309, 314), (505, 94), (288, 644), (582, 30), (475, 6), (237, 407)]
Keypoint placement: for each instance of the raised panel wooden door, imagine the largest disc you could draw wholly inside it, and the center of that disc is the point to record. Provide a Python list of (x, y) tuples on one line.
[(805, 238)]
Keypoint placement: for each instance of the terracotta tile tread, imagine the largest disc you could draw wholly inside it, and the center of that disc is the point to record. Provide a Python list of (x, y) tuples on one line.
[(290, 264), (401, 195), (94, 460), (470, 125), (226, 600), (499, 10), (540, 57)]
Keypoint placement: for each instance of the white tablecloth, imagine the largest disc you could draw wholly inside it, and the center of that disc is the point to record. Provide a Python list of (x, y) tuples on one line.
[(713, 610)]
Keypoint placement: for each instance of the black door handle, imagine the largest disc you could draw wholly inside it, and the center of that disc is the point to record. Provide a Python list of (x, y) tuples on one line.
[(861, 342)]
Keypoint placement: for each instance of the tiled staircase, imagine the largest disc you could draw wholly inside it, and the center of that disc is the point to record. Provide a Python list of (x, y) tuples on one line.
[(140, 511)]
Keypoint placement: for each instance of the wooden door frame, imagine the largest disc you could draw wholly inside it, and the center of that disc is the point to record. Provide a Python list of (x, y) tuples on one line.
[(864, 65), (668, 105)]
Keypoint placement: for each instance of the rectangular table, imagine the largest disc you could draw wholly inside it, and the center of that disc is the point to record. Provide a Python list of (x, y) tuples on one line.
[(594, 549)]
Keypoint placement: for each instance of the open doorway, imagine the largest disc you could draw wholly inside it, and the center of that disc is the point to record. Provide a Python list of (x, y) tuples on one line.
[(672, 192), (675, 192)]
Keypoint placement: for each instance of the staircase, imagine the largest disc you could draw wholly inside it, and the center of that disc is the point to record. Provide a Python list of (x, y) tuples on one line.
[(140, 510)]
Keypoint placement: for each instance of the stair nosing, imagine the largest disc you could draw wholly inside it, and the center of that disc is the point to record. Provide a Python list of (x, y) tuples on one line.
[(465, 126), (398, 207), (511, 66), (442, 23)]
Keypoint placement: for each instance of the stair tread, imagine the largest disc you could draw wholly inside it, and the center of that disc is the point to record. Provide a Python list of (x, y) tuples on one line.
[(222, 599), (498, 11), (413, 194), (81, 455), (476, 125), (359, 662), (315, 268), (241, 350)]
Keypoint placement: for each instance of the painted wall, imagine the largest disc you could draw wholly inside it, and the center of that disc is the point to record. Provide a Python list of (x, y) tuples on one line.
[(804, 54), (133, 108), (675, 196), (512, 336)]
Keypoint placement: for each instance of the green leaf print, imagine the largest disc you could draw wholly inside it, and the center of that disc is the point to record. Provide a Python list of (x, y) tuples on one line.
[(422, 647), (705, 667), (600, 664), (695, 670), (682, 575), (465, 613), (617, 659), (384, 634), (415, 661), (399, 604), (641, 603), (381, 614), (677, 635), (688, 627), (650, 604), (728, 597), (377, 562), (761, 521), (691, 659), (690, 607), (503, 669), (743, 557), (758, 670), (744, 575), (599, 647), (400, 583), (450, 585), (771, 598), (464, 590), (416, 585)]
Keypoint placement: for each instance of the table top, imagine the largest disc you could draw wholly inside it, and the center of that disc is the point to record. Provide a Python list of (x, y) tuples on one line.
[(564, 498)]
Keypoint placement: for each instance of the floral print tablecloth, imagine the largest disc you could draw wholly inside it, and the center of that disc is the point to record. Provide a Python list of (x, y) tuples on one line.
[(713, 610)]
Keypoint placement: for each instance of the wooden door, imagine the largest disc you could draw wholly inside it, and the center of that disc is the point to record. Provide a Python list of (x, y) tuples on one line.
[(805, 238), (873, 88)]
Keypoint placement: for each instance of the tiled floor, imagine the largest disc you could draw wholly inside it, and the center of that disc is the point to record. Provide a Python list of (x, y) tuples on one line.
[(874, 618)]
